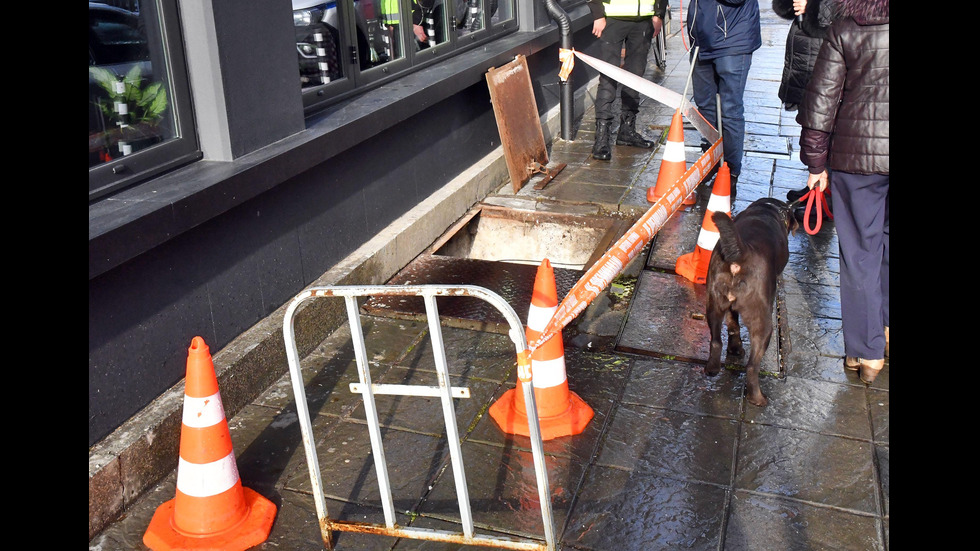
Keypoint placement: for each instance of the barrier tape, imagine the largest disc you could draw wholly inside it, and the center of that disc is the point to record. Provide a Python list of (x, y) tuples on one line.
[(524, 366), (650, 89), (601, 274)]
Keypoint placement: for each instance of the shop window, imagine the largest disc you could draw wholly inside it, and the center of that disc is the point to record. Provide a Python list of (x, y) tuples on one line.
[(346, 46), (139, 108)]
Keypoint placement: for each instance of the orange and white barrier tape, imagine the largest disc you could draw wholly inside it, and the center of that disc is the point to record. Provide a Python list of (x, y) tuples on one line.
[(601, 274), (650, 89)]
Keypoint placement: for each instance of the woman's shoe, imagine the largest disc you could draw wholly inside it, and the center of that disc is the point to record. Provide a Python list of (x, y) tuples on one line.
[(870, 369), (852, 364)]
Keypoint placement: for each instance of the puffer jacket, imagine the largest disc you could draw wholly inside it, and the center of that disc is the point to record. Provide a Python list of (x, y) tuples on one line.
[(723, 27), (802, 44), (844, 113)]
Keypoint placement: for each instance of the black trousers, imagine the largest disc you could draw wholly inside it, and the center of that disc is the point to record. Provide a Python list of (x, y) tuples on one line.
[(636, 35)]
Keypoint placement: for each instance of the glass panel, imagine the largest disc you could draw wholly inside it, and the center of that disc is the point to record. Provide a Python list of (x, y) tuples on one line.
[(501, 11), (469, 16), (130, 103), (379, 39), (318, 46), (429, 22)]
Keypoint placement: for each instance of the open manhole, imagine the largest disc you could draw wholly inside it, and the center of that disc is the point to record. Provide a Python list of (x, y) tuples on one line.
[(500, 249)]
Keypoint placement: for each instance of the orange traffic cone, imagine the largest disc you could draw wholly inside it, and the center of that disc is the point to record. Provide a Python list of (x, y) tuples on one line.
[(212, 510), (673, 165), (561, 412), (694, 265)]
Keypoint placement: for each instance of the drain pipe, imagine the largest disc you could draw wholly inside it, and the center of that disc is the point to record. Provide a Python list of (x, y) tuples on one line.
[(565, 91)]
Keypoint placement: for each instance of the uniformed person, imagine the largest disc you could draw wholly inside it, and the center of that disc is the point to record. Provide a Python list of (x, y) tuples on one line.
[(617, 24)]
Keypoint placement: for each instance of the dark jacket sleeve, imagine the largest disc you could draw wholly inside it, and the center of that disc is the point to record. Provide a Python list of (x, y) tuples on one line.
[(818, 112), (597, 8), (814, 149), (660, 9), (783, 8)]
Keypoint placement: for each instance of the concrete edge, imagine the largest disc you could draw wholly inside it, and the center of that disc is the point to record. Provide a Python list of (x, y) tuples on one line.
[(145, 449)]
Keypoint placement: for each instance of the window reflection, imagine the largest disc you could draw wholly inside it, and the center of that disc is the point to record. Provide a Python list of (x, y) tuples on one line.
[(317, 26), (470, 14), (396, 35), (379, 41), (432, 20), (129, 100)]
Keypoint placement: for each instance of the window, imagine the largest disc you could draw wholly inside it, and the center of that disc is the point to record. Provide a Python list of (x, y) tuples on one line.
[(139, 105), (346, 45)]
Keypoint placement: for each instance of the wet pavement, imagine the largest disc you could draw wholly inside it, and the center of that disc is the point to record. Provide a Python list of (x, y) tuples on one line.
[(671, 460)]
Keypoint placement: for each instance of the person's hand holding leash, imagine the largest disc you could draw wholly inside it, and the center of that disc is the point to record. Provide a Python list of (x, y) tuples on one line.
[(814, 179)]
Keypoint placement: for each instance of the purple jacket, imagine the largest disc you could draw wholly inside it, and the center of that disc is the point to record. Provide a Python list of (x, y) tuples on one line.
[(844, 113)]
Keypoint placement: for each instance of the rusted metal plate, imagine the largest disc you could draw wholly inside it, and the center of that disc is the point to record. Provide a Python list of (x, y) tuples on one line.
[(549, 173), (517, 120)]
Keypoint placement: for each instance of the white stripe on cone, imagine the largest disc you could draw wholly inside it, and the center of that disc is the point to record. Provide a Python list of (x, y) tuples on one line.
[(207, 479), (539, 316), (719, 203), (674, 152), (200, 413), (707, 239), (547, 373)]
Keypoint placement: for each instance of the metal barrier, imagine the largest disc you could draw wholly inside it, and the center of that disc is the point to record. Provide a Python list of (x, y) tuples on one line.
[(444, 391)]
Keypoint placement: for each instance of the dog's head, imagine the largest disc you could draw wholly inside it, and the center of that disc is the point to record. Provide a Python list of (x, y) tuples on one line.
[(783, 211)]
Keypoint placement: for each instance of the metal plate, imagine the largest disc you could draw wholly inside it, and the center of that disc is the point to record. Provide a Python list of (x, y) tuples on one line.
[(518, 120)]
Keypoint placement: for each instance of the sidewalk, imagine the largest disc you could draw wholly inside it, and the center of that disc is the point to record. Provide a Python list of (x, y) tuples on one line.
[(672, 459)]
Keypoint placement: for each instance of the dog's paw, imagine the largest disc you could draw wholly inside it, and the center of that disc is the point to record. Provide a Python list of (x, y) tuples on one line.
[(713, 367), (735, 349), (757, 400)]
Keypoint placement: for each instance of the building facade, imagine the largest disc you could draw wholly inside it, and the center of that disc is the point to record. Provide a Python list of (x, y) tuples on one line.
[(280, 169)]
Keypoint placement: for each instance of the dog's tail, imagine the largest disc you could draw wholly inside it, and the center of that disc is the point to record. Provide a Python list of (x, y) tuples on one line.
[(729, 242)]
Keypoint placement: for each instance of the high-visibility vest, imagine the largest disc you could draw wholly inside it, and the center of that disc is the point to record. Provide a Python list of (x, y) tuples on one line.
[(389, 9), (624, 8)]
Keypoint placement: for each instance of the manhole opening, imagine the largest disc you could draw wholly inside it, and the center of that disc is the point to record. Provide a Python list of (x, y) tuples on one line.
[(499, 234), (500, 249)]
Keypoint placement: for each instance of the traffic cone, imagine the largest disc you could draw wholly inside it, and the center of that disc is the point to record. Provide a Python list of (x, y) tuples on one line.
[(673, 165), (561, 412), (694, 265), (212, 510)]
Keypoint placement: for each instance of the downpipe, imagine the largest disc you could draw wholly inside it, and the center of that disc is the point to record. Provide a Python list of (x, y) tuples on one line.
[(564, 89)]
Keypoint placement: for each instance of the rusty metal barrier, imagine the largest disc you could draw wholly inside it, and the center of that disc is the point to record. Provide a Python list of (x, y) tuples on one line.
[(367, 389)]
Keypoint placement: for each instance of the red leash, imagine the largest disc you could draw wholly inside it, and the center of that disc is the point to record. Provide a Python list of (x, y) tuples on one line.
[(821, 209)]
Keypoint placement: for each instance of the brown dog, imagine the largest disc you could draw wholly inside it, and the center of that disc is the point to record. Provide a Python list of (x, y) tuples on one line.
[(752, 251)]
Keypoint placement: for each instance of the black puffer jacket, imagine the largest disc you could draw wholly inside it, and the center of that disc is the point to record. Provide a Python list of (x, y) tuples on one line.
[(802, 44), (844, 113)]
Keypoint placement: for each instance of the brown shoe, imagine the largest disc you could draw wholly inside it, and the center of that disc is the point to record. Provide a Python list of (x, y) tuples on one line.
[(870, 369), (851, 363)]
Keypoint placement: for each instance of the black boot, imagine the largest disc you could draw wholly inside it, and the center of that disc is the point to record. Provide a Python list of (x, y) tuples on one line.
[(627, 133), (601, 150), (734, 182)]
